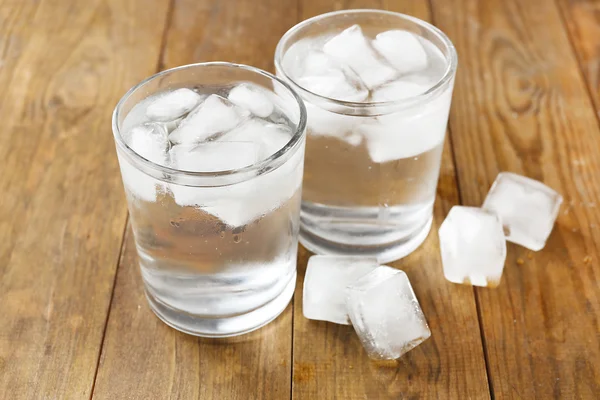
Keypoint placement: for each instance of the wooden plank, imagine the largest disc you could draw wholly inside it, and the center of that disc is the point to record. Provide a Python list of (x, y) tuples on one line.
[(19, 144), (582, 18), (142, 357), (329, 361), (64, 66), (240, 31), (521, 105)]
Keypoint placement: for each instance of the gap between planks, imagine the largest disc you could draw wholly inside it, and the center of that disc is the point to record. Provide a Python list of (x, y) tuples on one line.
[(159, 66)]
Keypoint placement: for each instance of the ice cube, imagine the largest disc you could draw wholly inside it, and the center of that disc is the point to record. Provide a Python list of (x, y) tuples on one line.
[(137, 183), (402, 49), (334, 85), (315, 62), (409, 132), (352, 48), (527, 208), (173, 105), (397, 90), (323, 75), (214, 156), (473, 246), (253, 98), (325, 284), (389, 141), (213, 117), (386, 314), (136, 116), (240, 203), (208, 157), (269, 137), (323, 122), (149, 140), (250, 200)]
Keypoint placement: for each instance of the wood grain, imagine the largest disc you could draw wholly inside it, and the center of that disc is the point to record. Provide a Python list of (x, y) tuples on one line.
[(527, 98), (329, 361), (139, 348), (62, 212), (582, 18), (16, 66), (240, 31), (521, 105)]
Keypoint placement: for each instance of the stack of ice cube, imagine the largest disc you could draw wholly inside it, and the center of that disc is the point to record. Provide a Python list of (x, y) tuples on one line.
[(350, 66), (473, 240), (191, 131), (377, 300), (394, 65)]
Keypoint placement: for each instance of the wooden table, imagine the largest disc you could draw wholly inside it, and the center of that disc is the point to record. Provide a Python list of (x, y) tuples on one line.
[(74, 322)]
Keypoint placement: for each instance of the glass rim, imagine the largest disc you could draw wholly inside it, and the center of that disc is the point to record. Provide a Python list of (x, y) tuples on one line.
[(258, 166), (352, 106)]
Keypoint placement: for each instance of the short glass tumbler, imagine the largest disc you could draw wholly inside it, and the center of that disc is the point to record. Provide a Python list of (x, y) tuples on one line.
[(206, 275), (371, 166)]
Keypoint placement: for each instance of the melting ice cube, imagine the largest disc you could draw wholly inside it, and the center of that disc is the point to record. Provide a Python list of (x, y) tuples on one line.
[(325, 283), (212, 118), (253, 98), (397, 90), (173, 105), (386, 314), (473, 246), (149, 140), (352, 48), (401, 49), (527, 208), (269, 137)]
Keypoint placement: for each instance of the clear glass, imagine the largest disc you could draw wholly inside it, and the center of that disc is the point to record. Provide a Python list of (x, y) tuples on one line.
[(201, 275), (354, 203)]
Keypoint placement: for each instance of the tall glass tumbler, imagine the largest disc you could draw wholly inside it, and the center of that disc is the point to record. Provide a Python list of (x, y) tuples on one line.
[(217, 248), (373, 158)]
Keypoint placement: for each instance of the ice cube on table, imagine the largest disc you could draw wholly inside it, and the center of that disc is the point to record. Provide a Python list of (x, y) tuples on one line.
[(526, 207), (149, 140), (173, 105), (402, 49), (473, 246), (352, 48), (253, 98), (269, 137), (213, 117), (324, 296), (397, 90), (386, 314)]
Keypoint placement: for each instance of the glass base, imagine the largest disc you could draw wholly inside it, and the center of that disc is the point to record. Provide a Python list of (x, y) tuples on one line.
[(366, 231), (223, 327)]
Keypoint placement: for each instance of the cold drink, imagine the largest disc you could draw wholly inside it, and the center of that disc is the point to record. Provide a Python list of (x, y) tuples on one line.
[(211, 157), (377, 87)]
